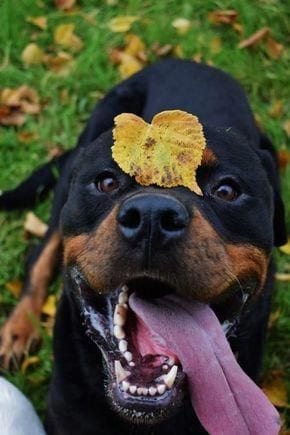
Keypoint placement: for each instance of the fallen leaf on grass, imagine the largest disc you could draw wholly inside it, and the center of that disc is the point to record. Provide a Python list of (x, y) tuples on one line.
[(286, 127), (122, 23), (182, 25), (276, 109), (15, 287), (16, 103), (276, 390), (49, 308), (223, 16), (283, 277), (33, 225), (274, 48), (27, 136), (64, 35), (32, 54), (61, 63), (166, 152), (131, 58), (283, 158), (285, 248), (162, 50), (64, 4), (255, 38), (40, 22), (32, 360)]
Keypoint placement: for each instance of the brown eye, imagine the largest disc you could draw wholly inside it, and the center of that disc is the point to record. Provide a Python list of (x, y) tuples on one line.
[(226, 192), (107, 183)]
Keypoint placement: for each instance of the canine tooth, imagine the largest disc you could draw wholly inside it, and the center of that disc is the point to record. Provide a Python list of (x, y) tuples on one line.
[(120, 315), (129, 356), (125, 386), (123, 346), (161, 388), (170, 377), (119, 332), (123, 298), (139, 391), (132, 389), (152, 391), (124, 288), (170, 361), (131, 364), (121, 373)]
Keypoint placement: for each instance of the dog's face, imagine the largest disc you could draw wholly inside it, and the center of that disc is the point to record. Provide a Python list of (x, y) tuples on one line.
[(122, 238)]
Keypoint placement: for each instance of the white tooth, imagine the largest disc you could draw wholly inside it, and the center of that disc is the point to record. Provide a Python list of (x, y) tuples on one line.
[(119, 332), (125, 386), (161, 388), (121, 373), (132, 389), (128, 356), (145, 391), (152, 391), (165, 367), (131, 364), (124, 288), (140, 391), (170, 377), (123, 346), (123, 298), (120, 315), (170, 361)]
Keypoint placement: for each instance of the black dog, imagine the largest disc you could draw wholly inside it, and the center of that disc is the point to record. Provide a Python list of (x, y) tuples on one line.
[(113, 372)]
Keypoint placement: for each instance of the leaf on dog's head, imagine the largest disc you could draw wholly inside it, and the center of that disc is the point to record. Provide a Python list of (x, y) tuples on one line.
[(166, 152)]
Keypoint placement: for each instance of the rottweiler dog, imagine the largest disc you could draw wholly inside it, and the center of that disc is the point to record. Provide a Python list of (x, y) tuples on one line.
[(156, 278)]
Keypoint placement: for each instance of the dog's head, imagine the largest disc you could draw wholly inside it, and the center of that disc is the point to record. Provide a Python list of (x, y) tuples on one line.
[(126, 245)]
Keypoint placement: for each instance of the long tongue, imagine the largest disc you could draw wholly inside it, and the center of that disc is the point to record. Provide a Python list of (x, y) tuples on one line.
[(225, 399)]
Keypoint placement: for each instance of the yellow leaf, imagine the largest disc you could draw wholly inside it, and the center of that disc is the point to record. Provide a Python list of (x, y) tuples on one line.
[(285, 248), (49, 308), (33, 225), (32, 54), (134, 45), (122, 23), (14, 287), (284, 277), (182, 25), (276, 390), (32, 360), (40, 22), (60, 64), (64, 35), (166, 152), (276, 109), (129, 65)]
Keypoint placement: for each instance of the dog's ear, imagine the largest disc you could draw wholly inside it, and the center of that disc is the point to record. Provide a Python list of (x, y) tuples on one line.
[(269, 160)]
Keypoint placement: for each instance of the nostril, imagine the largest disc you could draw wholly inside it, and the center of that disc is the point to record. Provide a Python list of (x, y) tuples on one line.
[(130, 219), (173, 221)]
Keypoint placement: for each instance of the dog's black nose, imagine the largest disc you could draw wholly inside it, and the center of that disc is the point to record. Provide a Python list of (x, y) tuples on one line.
[(153, 218)]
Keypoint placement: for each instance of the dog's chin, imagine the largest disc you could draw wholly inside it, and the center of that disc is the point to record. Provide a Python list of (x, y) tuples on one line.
[(145, 380)]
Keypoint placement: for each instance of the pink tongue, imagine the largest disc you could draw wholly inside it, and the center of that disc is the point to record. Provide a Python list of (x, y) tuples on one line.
[(225, 399)]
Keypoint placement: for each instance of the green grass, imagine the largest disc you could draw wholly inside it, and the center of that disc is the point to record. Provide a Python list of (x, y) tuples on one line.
[(265, 80)]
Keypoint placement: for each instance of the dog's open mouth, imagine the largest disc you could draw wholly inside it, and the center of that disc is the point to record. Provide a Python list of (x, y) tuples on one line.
[(157, 349)]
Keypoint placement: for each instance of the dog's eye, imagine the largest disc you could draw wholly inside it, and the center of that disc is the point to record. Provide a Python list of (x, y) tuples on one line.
[(226, 192), (106, 183)]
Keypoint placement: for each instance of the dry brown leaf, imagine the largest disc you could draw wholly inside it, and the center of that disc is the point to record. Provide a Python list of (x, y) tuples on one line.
[(40, 22), (276, 109), (131, 58), (55, 151), (286, 127), (64, 5), (32, 360), (27, 136), (255, 38), (122, 24), (283, 158), (49, 308), (32, 54), (276, 390), (10, 117), (285, 248), (15, 103), (162, 50), (166, 152), (226, 16), (64, 35), (15, 287), (182, 25), (274, 48), (33, 225), (61, 63)]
